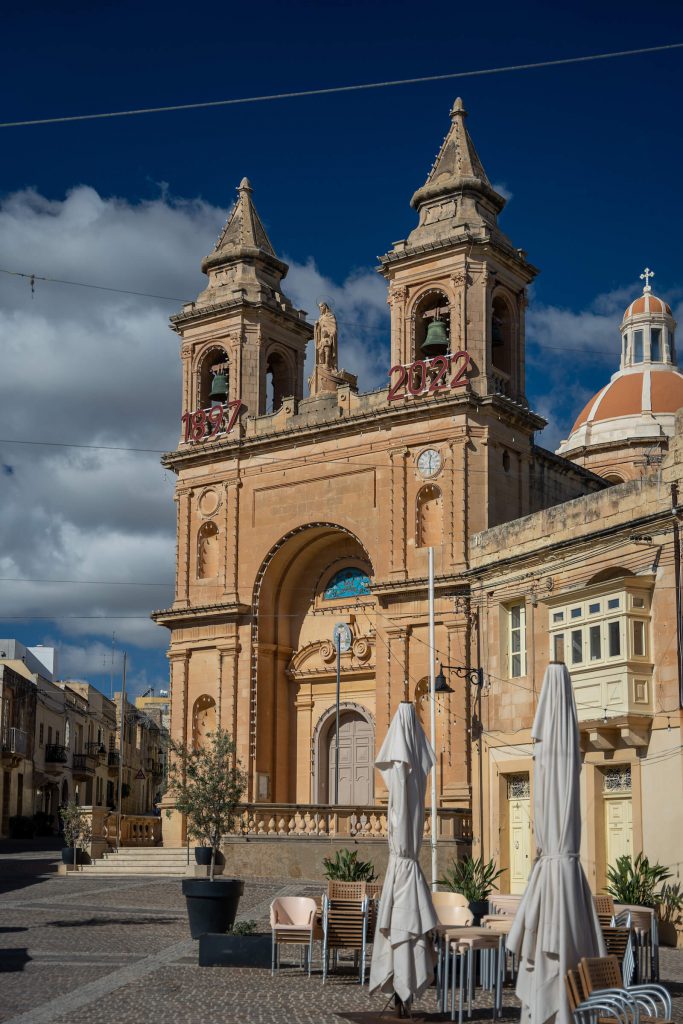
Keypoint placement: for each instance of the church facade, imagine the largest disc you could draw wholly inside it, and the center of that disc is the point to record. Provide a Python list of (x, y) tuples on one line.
[(305, 505)]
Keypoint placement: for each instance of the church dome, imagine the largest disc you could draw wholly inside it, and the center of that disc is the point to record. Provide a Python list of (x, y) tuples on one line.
[(638, 406)]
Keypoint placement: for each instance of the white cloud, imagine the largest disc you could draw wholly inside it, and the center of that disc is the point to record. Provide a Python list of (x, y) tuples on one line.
[(95, 367), (501, 188)]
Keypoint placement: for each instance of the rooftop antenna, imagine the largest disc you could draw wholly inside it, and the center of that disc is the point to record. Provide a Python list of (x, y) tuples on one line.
[(111, 671)]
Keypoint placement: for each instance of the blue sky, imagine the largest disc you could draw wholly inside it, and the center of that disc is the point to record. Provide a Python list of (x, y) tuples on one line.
[(590, 154)]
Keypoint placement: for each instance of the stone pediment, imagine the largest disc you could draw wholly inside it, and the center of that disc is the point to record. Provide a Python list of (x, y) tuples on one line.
[(319, 658)]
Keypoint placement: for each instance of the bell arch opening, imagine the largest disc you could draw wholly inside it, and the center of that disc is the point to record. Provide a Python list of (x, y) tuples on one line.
[(502, 335), (212, 378), (279, 380), (431, 325)]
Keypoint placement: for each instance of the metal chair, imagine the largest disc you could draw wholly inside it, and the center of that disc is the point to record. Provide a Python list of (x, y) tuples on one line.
[(601, 974)]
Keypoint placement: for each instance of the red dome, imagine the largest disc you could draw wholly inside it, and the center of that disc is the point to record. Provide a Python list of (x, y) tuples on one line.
[(627, 395), (647, 303)]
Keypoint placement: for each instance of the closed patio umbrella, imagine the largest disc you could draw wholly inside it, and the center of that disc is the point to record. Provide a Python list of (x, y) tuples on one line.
[(556, 923), (402, 960)]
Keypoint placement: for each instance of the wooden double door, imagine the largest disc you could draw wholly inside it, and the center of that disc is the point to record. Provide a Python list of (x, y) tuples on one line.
[(356, 757)]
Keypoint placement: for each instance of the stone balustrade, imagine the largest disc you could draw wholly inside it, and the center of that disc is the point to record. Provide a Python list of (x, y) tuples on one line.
[(317, 820)]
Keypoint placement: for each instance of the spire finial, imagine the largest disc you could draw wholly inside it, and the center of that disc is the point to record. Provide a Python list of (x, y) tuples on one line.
[(645, 276), (245, 184), (458, 109)]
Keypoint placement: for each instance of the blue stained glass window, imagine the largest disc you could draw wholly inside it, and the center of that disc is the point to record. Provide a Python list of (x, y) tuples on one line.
[(347, 583)]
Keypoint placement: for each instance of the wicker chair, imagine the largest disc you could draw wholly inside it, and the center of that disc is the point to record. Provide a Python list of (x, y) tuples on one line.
[(601, 975), (598, 1008)]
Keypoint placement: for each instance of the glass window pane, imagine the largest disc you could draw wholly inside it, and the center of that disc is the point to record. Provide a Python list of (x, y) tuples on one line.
[(577, 646), (515, 615), (638, 602), (558, 652), (639, 638), (672, 347), (637, 346), (595, 643), (515, 641), (614, 639), (614, 602), (516, 664), (656, 343), (594, 608), (558, 616), (575, 613)]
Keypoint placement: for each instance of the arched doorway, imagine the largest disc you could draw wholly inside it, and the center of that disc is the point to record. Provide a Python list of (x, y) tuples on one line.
[(356, 756), (356, 749)]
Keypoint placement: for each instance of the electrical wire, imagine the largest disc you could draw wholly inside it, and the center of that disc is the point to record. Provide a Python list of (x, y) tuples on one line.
[(331, 90), (87, 583), (32, 278)]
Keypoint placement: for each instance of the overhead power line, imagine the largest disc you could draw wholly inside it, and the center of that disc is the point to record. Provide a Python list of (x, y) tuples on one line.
[(301, 94), (88, 583), (32, 278)]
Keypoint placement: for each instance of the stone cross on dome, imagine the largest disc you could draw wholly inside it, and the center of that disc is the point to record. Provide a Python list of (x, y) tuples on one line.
[(645, 276)]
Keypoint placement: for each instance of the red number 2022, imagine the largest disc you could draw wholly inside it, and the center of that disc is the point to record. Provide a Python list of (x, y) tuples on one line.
[(428, 377)]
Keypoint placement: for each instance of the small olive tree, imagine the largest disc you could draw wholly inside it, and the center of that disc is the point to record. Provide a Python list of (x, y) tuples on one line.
[(77, 827), (207, 785)]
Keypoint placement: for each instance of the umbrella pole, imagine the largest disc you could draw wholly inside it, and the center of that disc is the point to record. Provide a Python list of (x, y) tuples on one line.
[(432, 715)]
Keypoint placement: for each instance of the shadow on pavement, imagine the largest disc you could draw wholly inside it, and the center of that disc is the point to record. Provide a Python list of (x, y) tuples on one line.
[(13, 959), (25, 862), (92, 922)]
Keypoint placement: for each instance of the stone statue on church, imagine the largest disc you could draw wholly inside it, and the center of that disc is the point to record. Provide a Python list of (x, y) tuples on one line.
[(326, 338)]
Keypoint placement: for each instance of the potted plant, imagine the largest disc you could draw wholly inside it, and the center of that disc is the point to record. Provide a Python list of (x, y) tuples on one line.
[(77, 829), (635, 882), (475, 879), (207, 784), (345, 867)]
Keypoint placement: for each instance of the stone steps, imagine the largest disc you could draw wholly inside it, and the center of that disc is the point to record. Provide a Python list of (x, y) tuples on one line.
[(154, 860)]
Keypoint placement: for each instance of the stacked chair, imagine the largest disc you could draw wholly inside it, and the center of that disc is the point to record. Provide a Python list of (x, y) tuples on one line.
[(349, 915), (294, 919), (596, 992)]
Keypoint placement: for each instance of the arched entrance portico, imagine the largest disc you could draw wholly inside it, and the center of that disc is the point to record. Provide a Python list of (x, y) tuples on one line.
[(315, 577)]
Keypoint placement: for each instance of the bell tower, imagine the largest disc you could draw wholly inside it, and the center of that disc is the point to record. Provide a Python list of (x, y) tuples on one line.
[(242, 339), (457, 284)]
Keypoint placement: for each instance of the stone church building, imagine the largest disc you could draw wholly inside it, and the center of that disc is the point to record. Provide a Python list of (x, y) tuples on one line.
[(302, 504)]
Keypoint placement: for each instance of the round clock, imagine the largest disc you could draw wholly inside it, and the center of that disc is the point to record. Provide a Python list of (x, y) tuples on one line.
[(429, 462)]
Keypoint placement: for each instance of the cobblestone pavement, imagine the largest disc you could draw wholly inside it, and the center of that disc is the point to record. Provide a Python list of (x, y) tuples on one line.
[(96, 950)]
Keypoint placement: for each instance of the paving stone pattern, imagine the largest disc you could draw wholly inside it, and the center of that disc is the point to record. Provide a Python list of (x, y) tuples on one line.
[(90, 950)]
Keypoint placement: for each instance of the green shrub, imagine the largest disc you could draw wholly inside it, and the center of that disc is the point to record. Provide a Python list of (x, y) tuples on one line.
[(636, 881), (345, 867), (243, 928), (474, 878)]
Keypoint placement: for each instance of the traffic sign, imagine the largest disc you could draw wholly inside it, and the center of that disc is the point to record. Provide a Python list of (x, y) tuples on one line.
[(140, 774)]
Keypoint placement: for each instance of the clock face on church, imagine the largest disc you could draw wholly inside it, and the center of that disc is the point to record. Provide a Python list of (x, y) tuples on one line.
[(429, 463)]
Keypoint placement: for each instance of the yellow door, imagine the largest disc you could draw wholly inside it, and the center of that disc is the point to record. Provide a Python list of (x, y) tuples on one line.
[(520, 843), (618, 828)]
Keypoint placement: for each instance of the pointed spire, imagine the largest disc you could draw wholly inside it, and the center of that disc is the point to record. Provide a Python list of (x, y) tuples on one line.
[(243, 229), (457, 157), (457, 166)]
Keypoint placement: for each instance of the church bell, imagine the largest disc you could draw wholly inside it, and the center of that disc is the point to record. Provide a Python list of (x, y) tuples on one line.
[(436, 342), (219, 388)]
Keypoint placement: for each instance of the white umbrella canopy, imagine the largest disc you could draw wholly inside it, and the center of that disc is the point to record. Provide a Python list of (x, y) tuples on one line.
[(556, 923), (402, 959)]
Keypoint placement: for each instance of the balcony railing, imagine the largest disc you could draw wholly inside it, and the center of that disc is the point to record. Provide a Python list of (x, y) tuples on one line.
[(84, 764), (113, 759), (15, 741), (95, 750), (56, 754), (317, 820)]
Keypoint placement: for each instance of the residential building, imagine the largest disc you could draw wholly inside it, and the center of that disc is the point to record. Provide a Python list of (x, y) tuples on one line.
[(143, 758)]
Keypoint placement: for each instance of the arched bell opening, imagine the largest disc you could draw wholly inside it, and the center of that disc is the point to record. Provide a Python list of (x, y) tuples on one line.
[(432, 325), (315, 578), (279, 380), (212, 378), (502, 335)]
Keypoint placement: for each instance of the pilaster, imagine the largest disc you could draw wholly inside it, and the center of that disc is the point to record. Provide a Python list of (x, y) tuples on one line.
[(398, 511)]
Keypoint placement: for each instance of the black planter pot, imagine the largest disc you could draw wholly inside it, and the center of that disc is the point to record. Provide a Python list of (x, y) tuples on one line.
[(211, 906), (68, 855), (202, 855), (479, 908)]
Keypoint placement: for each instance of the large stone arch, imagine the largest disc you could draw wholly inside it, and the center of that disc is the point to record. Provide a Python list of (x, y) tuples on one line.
[(287, 577)]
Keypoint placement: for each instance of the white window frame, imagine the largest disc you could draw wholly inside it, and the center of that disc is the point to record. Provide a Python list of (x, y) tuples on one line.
[(518, 631)]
